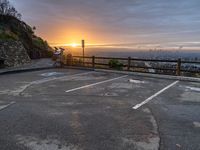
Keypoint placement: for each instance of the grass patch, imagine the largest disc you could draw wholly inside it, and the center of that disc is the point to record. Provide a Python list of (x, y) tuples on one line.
[(38, 42), (7, 35)]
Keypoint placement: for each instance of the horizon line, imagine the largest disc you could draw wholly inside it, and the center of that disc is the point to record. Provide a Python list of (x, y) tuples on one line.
[(138, 46)]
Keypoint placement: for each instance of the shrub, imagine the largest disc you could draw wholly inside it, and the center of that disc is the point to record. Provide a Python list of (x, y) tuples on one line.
[(115, 64), (8, 36), (7, 9), (39, 43), (77, 62), (49, 54)]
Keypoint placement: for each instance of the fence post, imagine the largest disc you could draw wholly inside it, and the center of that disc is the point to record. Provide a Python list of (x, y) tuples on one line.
[(129, 63), (178, 69), (72, 61), (93, 61)]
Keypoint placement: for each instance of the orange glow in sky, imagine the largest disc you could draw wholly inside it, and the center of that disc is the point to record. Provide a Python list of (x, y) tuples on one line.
[(115, 23)]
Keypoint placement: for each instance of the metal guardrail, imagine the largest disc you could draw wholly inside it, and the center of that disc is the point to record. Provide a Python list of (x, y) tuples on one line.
[(175, 67)]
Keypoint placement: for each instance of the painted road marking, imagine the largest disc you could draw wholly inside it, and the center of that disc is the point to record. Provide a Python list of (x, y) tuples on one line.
[(5, 106), (49, 74), (155, 95), (24, 87), (56, 78), (90, 85)]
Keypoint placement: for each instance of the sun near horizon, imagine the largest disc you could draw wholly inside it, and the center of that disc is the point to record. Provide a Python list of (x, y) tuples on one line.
[(74, 45)]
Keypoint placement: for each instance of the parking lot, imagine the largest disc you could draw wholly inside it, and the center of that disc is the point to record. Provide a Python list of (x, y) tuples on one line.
[(71, 109)]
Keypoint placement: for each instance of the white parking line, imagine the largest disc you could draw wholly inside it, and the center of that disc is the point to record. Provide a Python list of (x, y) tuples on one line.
[(90, 85), (155, 95), (5, 106)]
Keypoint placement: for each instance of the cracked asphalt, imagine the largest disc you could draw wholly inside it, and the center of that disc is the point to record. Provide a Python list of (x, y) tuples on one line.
[(70, 109)]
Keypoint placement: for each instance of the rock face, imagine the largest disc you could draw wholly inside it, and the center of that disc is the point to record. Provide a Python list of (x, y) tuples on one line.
[(13, 53), (12, 28)]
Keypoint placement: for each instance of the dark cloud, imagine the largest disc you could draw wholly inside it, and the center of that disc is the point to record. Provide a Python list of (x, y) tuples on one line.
[(155, 21)]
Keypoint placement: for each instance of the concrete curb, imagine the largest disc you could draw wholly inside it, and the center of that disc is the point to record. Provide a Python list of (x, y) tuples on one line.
[(169, 77), (181, 78), (24, 70), (80, 68)]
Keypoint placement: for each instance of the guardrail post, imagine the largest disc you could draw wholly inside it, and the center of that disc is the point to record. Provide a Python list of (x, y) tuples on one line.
[(93, 61), (129, 63), (178, 68)]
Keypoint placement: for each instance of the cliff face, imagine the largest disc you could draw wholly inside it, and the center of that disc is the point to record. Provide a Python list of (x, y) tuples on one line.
[(14, 53), (12, 29)]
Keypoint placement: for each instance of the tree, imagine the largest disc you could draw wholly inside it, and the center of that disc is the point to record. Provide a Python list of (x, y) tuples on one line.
[(7, 9), (34, 28)]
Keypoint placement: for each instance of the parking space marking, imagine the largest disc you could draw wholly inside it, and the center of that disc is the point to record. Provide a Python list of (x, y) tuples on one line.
[(58, 78), (155, 95), (47, 80), (5, 106), (41, 81), (93, 84)]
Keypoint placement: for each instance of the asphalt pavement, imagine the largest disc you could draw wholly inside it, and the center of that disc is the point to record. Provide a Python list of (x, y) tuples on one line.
[(71, 109)]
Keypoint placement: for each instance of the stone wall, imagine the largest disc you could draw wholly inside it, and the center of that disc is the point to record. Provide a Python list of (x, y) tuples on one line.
[(14, 53)]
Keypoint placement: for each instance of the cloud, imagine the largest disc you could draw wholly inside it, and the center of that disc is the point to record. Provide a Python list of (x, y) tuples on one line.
[(118, 20)]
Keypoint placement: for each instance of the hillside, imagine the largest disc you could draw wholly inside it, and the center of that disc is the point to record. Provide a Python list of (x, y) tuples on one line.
[(13, 29)]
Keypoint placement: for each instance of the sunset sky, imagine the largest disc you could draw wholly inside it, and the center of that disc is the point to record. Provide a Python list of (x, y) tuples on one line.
[(125, 23)]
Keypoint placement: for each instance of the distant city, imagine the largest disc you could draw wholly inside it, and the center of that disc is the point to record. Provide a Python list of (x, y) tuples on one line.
[(187, 55), (184, 55)]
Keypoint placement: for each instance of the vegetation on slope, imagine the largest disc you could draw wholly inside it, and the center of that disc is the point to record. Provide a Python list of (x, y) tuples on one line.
[(12, 28)]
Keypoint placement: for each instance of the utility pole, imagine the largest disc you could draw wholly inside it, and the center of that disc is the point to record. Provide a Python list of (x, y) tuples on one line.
[(83, 46)]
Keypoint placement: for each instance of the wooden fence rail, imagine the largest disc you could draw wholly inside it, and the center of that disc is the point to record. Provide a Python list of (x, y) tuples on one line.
[(175, 67)]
